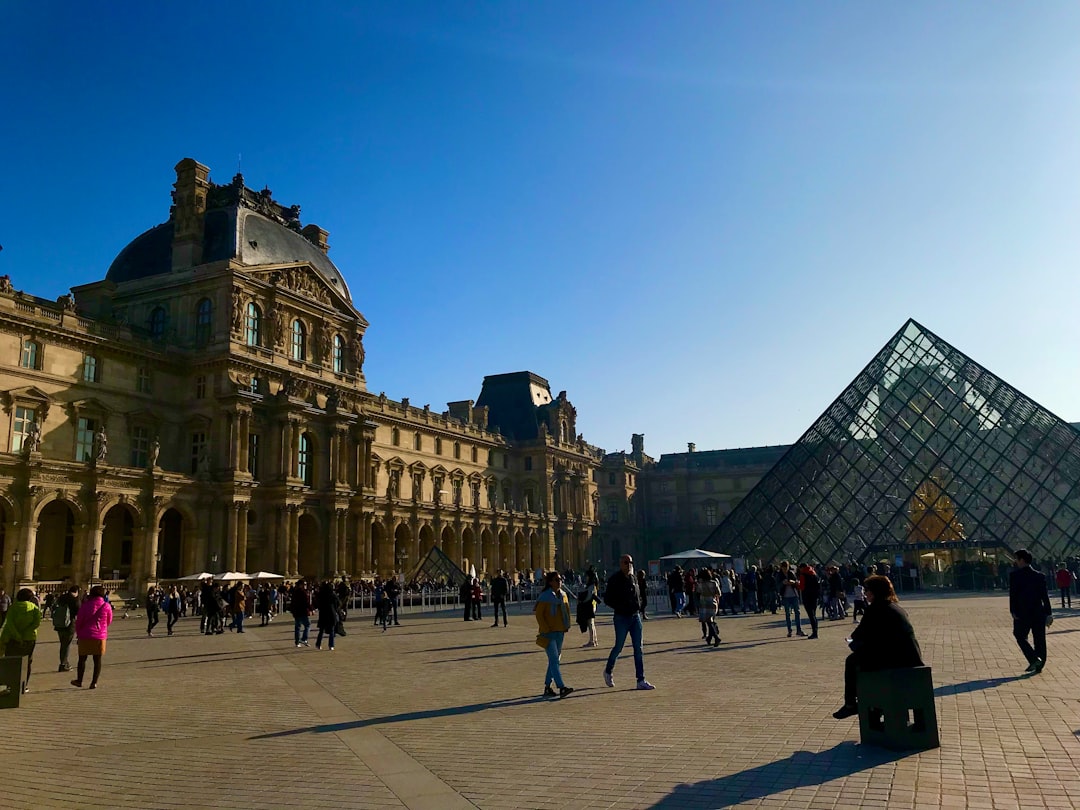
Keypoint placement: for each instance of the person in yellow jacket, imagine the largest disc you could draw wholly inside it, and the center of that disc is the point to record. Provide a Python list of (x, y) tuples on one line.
[(553, 618), (19, 634)]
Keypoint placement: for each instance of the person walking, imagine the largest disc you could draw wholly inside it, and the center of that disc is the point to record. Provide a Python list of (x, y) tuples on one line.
[(789, 597), (1064, 580), (263, 602), (172, 604), (810, 587), (477, 599), (500, 588), (18, 637), (63, 619), (552, 613), (393, 592), (465, 593), (238, 602), (623, 598), (92, 631), (5, 605), (329, 607), (708, 604), (300, 607), (1029, 604), (586, 612), (153, 610)]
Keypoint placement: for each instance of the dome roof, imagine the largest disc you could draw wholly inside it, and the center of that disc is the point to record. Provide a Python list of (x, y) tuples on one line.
[(232, 231)]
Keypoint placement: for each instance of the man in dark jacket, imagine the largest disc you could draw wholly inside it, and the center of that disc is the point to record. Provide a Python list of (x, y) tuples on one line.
[(300, 607), (810, 586), (624, 598), (500, 589), (1031, 611)]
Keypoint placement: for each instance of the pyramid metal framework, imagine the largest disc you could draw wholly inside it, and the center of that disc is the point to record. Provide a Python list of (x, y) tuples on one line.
[(436, 567), (925, 449)]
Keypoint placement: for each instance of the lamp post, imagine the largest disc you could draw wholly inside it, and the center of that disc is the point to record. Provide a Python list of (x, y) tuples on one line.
[(15, 557), (157, 566), (402, 558), (93, 565), (213, 560)]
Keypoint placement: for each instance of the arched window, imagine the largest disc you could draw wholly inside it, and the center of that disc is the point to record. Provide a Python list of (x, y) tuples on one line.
[(253, 325), (395, 436), (339, 354), (204, 321), (299, 340), (158, 319), (31, 354), (305, 462)]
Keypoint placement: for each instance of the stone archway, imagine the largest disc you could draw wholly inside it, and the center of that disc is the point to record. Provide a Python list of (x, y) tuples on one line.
[(536, 553), (450, 545), (468, 549), (118, 541), (403, 556), (311, 550), (381, 547), (505, 557), (171, 545), (521, 553), (54, 547), (488, 551), (427, 541)]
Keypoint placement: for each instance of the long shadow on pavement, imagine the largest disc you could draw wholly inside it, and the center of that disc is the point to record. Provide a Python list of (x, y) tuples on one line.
[(975, 686), (448, 711), (801, 769)]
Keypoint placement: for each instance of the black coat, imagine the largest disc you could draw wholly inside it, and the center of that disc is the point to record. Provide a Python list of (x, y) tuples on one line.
[(329, 609), (622, 594), (885, 638), (1028, 599)]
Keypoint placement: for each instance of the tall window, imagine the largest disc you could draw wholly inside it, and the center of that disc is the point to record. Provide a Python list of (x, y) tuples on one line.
[(90, 369), (200, 387), (140, 446), (438, 446), (142, 380), (253, 455), (710, 514), (612, 512), (304, 465), (158, 320), (457, 492), (339, 354), (528, 463), (24, 418), (254, 385), (204, 321), (84, 438), (475, 454), (31, 354), (198, 450), (457, 449), (253, 325), (299, 340), (395, 436), (416, 442)]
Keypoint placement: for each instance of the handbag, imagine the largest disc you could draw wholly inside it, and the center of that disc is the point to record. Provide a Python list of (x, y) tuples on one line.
[(542, 640)]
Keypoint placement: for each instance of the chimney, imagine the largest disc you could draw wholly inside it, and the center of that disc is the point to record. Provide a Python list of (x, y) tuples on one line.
[(690, 447), (462, 410), (189, 207), (317, 236)]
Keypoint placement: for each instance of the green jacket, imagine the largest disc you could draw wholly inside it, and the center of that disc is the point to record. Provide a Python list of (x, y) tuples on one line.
[(21, 623)]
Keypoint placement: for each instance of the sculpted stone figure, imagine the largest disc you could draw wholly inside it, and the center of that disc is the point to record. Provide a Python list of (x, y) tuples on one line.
[(237, 311), (101, 445), (32, 442), (155, 451)]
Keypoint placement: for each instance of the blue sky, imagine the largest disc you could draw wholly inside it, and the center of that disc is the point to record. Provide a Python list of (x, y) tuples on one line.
[(700, 219)]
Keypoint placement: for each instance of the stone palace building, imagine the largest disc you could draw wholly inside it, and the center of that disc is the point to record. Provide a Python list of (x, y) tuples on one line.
[(204, 408)]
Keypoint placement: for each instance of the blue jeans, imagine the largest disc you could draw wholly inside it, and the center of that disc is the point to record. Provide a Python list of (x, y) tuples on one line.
[(318, 639), (791, 605), (680, 602), (631, 625), (300, 621), (238, 621), (554, 651)]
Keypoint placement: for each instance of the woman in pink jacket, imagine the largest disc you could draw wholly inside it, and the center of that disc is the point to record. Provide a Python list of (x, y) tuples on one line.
[(92, 628)]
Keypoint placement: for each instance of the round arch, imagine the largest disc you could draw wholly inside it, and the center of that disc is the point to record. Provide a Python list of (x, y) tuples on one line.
[(427, 540), (506, 552), (488, 550), (536, 558), (450, 545), (118, 539), (521, 553), (54, 545), (402, 557), (171, 545), (381, 549), (468, 549)]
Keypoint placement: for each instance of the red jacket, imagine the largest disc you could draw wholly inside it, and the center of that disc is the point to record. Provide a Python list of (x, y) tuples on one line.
[(1064, 578)]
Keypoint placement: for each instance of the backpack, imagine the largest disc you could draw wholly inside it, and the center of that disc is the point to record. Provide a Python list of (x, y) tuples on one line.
[(62, 617)]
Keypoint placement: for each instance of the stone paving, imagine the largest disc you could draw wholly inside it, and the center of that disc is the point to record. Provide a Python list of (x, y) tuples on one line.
[(439, 713)]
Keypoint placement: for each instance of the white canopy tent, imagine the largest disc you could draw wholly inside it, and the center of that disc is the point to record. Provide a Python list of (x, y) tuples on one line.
[(196, 577), (265, 575), (697, 554), (232, 576)]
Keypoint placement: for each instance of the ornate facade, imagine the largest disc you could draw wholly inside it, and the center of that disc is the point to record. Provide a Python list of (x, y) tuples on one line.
[(204, 407)]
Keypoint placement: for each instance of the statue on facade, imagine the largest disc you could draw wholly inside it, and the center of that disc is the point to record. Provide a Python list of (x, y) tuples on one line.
[(32, 442), (277, 328), (5, 284), (66, 302), (101, 445), (237, 311), (204, 462), (358, 354), (155, 451)]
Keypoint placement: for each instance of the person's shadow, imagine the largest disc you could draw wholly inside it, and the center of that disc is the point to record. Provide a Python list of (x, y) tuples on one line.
[(801, 769)]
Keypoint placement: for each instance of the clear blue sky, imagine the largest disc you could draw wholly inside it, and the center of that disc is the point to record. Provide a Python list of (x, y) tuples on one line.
[(700, 219)]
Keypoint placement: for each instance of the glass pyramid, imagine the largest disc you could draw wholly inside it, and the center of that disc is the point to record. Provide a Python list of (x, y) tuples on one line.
[(927, 456), (436, 568)]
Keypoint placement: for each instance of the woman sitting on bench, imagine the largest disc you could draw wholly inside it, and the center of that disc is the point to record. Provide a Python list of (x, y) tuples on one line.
[(884, 639)]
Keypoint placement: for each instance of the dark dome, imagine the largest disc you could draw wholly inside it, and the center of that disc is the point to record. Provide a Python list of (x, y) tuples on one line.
[(228, 233)]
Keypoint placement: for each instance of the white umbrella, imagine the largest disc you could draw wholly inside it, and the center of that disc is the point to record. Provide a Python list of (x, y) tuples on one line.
[(196, 577), (232, 576), (266, 575), (697, 554)]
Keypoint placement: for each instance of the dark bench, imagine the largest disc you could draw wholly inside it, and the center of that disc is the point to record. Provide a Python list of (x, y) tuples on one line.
[(896, 709), (12, 679)]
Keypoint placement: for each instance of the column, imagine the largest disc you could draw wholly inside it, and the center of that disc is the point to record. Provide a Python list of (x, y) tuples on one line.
[(342, 539), (284, 459), (24, 571), (242, 535), (231, 509), (95, 549), (294, 541), (242, 441), (332, 541), (294, 451), (150, 543)]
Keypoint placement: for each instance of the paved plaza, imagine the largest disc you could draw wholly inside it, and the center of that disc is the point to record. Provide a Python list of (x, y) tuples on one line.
[(442, 714)]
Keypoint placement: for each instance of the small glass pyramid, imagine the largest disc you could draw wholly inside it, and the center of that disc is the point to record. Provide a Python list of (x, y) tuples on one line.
[(925, 456)]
